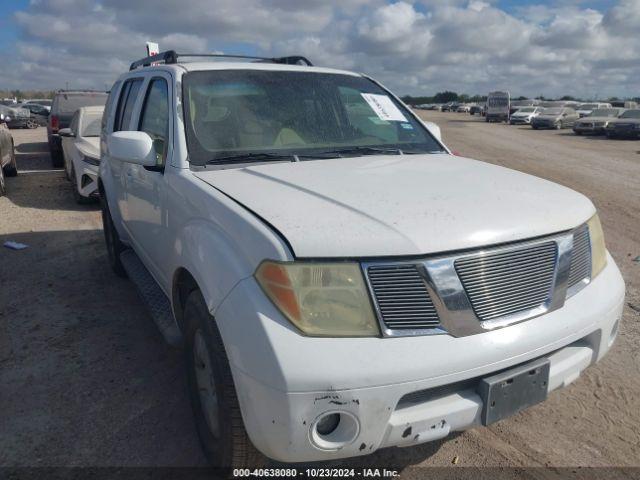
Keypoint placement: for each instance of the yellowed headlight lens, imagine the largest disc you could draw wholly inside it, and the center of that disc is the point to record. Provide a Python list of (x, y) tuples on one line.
[(321, 299), (598, 248)]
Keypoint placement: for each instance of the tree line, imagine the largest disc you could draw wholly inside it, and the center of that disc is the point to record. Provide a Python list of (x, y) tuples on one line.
[(20, 94)]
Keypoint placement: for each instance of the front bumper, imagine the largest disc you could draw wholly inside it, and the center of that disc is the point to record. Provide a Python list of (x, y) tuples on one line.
[(623, 132), (520, 120), (86, 178), (589, 129), (544, 124), (285, 381)]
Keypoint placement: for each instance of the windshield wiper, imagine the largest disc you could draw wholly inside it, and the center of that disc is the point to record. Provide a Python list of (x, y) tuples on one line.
[(357, 150), (253, 158)]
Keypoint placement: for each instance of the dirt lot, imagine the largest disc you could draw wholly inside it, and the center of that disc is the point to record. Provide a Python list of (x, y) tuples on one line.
[(86, 380)]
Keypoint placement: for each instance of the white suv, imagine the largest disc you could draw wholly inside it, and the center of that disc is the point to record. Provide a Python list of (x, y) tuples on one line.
[(339, 280)]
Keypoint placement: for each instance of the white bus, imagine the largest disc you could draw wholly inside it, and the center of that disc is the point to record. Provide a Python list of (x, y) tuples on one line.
[(498, 104)]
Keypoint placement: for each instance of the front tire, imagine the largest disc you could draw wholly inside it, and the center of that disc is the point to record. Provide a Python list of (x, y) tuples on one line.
[(32, 124), (114, 246), (215, 405), (57, 159)]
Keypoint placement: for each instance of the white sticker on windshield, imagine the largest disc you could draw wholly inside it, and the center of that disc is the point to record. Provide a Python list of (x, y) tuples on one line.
[(384, 107)]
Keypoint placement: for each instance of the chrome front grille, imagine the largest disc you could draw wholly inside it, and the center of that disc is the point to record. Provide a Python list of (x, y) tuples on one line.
[(471, 292), (401, 297), (500, 284), (580, 257)]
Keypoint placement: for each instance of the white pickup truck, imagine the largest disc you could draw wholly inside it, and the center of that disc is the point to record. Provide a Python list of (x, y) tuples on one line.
[(339, 281)]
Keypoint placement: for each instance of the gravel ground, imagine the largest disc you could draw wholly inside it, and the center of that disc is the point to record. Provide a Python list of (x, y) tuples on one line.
[(86, 380)]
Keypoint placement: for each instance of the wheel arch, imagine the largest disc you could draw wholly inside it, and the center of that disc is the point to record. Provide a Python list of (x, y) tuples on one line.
[(183, 284)]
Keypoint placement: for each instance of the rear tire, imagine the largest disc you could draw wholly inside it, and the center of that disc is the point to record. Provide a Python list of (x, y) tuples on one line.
[(3, 189), (114, 246), (11, 170), (32, 124), (215, 405)]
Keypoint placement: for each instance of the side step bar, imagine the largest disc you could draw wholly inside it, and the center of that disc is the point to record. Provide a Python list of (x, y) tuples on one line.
[(153, 296)]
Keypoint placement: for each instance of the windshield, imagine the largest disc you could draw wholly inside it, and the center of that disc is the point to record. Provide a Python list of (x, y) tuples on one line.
[(604, 112), (553, 111), (91, 123), (631, 114), (526, 110), (69, 103), (229, 113)]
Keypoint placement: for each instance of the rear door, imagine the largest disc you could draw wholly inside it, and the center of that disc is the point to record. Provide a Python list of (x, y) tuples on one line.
[(124, 107)]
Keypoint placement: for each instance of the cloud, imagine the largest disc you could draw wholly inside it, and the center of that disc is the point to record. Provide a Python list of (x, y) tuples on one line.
[(412, 46)]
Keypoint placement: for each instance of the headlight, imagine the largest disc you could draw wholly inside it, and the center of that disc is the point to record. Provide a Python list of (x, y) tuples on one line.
[(598, 249), (321, 299)]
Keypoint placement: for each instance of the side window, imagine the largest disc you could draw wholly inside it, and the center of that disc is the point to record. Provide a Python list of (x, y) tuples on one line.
[(154, 119), (126, 103)]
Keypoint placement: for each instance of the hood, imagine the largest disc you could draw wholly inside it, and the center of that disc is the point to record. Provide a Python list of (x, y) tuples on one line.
[(522, 114), (378, 206), (89, 146), (547, 116), (625, 120), (595, 119)]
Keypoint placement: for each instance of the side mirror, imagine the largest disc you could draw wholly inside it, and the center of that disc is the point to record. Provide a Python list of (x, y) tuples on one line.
[(434, 129), (65, 132), (132, 147)]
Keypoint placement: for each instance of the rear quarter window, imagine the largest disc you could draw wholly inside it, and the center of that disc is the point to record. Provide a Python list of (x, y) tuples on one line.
[(111, 100)]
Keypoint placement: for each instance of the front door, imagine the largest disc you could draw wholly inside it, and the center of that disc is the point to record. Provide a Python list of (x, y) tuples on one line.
[(146, 186)]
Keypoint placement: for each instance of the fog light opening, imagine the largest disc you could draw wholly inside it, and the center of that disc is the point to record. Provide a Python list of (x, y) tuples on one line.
[(334, 430), (327, 424)]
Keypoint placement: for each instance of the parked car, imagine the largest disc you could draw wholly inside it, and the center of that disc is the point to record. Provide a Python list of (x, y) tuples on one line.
[(524, 115), (17, 117), (476, 110), (8, 165), (555, 117), (38, 115), (596, 122), (585, 109), (518, 104), (626, 104), (463, 108), (627, 125), (321, 319), (65, 104), (45, 102), (81, 152)]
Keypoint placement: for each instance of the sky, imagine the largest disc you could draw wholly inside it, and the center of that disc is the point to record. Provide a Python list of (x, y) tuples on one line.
[(585, 48)]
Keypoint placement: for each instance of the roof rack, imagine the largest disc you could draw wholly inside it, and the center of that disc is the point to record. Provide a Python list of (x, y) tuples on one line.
[(170, 56)]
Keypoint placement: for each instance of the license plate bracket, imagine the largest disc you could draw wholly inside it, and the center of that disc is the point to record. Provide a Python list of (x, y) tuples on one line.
[(513, 390)]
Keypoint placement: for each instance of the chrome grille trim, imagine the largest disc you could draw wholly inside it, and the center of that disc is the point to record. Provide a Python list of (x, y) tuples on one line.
[(401, 297), (580, 271), (505, 283), (446, 295)]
